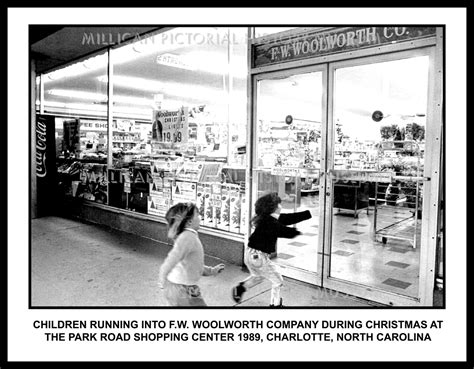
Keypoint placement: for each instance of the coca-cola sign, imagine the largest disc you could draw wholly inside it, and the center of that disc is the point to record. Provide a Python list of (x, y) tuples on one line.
[(40, 149)]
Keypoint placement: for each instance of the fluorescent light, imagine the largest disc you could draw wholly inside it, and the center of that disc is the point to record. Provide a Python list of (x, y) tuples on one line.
[(78, 94), (171, 88), (77, 69), (209, 62), (135, 83), (98, 109), (130, 100)]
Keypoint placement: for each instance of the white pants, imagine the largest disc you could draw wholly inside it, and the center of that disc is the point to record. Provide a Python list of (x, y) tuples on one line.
[(182, 295), (261, 268)]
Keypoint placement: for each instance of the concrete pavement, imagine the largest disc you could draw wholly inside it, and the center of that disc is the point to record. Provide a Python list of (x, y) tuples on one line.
[(74, 264)]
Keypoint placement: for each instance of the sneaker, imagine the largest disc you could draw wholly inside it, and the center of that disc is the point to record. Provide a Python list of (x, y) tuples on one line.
[(238, 291), (279, 305)]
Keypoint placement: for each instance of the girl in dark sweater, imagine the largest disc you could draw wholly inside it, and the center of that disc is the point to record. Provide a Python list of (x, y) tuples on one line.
[(269, 226)]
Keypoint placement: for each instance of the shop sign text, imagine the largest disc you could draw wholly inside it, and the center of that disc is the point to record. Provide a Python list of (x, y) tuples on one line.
[(171, 126), (40, 148), (363, 176), (334, 41)]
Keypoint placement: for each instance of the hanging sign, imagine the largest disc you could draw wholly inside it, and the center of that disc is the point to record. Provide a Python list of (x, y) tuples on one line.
[(287, 172), (170, 126), (314, 43), (363, 176)]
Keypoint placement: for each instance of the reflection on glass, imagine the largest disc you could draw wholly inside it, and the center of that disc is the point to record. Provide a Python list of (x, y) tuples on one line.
[(379, 124), (288, 154), (178, 123), (79, 101), (190, 87)]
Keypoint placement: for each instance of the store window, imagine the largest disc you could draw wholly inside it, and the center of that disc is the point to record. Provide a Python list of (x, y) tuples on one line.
[(179, 123), (380, 112), (78, 101)]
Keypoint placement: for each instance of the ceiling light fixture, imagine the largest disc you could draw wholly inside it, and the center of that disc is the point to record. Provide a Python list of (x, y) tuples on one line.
[(170, 88), (101, 98)]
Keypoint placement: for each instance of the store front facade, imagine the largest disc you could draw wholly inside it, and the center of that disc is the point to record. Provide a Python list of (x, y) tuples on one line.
[(345, 122)]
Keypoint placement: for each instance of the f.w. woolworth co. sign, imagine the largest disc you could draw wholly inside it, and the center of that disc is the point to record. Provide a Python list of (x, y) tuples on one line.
[(318, 43)]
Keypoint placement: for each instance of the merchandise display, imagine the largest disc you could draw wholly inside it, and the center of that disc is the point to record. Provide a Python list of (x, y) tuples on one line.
[(153, 179), (178, 131), (404, 160)]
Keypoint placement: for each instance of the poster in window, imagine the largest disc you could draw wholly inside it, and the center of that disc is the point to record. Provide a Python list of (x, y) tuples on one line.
[(170, 126), (71, 136)]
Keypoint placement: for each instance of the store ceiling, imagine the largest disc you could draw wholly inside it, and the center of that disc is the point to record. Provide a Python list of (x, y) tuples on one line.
[(187, 66), (52, 46)]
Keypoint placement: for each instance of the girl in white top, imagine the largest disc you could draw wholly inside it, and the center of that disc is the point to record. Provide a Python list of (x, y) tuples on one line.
[(183, 267)]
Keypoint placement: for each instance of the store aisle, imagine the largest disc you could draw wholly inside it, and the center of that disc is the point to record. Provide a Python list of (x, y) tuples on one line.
[(74, 264)]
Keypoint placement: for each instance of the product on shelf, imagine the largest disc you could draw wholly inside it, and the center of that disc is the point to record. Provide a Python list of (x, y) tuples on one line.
[(208, 207), (234, 208), (225, 208)]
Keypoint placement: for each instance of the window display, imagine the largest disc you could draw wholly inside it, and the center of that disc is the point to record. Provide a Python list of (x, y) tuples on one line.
[(178, 124)]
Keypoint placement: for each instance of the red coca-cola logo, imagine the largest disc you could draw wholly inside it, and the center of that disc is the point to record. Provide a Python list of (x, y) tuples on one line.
[(40, 149)]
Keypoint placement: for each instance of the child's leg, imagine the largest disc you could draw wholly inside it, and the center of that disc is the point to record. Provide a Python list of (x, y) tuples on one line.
[(253, 260), (272, 274), (252, 281)]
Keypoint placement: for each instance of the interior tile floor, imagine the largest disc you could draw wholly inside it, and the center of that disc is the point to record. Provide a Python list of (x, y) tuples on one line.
[(385, 257)]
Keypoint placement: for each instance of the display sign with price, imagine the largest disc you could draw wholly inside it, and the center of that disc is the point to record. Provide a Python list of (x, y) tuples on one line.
[(171, 126)]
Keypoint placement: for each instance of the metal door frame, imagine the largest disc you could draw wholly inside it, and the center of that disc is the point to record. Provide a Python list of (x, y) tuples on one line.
[(292, 272), (433, 47), (431, 173)]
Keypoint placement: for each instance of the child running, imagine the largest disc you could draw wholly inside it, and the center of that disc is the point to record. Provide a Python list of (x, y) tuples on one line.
[(183, 267), (269, 226)]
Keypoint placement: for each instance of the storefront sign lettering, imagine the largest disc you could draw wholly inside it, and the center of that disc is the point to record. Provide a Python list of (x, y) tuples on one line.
[(363, 176), (40, 149), (334, 41)]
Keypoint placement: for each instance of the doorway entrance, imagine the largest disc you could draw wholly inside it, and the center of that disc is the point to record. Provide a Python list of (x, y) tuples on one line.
[(347, 141)]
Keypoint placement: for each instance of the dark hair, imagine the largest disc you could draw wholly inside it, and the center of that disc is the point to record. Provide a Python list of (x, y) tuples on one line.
[(178, 217), (265, 205)]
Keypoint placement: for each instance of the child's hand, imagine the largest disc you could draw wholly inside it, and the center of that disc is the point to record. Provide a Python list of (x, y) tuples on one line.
[(217, 269)]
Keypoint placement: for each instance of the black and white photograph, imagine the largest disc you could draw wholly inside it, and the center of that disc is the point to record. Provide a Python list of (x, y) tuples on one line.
[(201, 184)]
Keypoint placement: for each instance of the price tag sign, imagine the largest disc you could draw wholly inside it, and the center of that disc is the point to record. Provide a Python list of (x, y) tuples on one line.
[(171, 126)]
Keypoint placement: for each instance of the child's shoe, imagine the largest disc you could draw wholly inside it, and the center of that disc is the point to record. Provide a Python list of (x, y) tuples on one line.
[(238, 291), (279, 305)]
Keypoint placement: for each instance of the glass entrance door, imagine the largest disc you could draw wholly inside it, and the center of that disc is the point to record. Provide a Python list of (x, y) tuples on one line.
[(289, 130), (376, 155), (346, 140)]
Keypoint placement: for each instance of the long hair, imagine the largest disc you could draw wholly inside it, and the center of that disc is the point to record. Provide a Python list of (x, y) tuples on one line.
[(178, 216), (264, 206)]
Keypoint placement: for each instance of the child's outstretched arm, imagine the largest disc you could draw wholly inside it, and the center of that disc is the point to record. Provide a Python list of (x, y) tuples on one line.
[(293, 218), (208, 270), (286, 232)]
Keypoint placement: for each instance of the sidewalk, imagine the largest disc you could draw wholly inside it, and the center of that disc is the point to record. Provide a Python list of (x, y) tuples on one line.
[(75, 264)]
